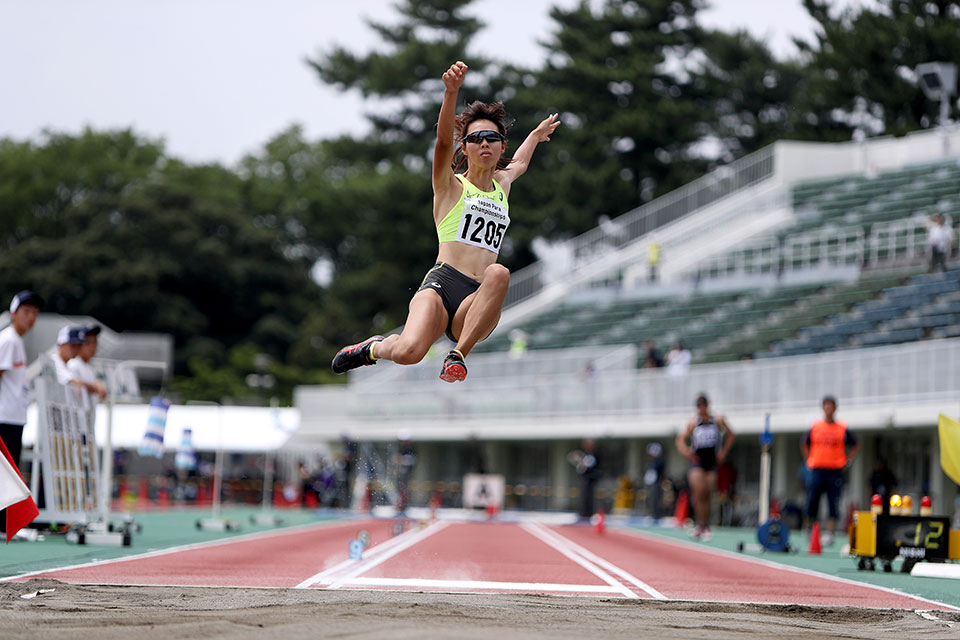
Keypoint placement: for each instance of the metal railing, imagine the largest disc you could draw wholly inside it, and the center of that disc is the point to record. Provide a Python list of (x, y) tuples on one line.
[(912, 372), (888, 244), (600, 241)]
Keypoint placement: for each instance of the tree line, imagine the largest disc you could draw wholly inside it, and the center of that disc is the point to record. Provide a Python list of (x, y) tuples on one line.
[(307, 245)]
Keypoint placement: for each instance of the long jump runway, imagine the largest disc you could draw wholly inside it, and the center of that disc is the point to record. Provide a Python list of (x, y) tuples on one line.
[(478, 557)]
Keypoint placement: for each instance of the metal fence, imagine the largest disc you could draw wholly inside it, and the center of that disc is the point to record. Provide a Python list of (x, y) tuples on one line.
[(529, 364)]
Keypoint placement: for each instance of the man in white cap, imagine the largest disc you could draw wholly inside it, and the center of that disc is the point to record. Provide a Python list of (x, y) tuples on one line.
[(69, 340), (14, 386)]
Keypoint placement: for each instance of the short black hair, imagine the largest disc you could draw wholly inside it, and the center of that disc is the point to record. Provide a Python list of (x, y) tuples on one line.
[(830, 399), (702, 399)]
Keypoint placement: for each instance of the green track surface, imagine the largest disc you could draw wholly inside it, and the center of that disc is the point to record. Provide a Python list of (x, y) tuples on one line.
[(830, 562), (159, 530)]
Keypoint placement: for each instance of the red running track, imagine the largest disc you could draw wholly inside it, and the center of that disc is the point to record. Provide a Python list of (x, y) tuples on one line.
[(486, 557)]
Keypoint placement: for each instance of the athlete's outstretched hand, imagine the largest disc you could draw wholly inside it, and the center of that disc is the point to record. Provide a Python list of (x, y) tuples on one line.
[(453, 77), (546, 128)]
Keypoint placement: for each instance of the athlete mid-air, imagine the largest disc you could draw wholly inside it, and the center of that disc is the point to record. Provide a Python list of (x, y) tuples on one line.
[(462, 295)]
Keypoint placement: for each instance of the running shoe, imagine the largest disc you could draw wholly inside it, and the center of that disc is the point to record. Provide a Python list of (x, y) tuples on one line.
[(454, 369), (356, 355), (705, 534)]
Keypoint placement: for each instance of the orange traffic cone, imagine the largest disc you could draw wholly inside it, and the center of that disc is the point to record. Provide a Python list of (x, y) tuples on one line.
[(682, 512), (815, 540)]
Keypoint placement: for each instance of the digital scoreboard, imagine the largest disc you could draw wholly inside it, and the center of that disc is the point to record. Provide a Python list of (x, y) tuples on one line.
[(913, 537)]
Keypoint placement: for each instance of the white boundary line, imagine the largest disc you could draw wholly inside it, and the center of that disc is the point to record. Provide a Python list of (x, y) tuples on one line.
[(190, 547), (482, 584), (366, 565), (567, 551), (609, 566), (324, 575), (776, 565)]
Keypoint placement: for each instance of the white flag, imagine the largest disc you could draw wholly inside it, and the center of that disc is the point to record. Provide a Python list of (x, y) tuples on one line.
[(12, 488)]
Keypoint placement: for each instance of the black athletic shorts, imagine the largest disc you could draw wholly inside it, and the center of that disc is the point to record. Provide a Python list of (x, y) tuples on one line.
[(708, 458), (452, 286)]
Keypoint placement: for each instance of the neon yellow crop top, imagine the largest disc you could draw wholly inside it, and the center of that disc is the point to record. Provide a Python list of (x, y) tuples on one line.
[(480, 218)]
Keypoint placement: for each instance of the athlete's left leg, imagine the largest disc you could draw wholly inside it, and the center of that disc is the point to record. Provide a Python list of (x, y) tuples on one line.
[(699, 495), (479, 312)]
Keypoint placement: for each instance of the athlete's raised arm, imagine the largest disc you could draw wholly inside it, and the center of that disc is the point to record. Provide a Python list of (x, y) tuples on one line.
[(521, 159), (443, 150)]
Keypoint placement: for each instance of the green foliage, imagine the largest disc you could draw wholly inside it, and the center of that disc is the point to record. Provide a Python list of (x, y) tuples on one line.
[(105, 224), (858, 72)]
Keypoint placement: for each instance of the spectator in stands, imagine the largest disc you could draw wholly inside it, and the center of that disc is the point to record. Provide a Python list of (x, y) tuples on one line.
[(829, 448), (518, 343), (14, 386), (653, 259), (939, 242), (652, 359), (678, 360)]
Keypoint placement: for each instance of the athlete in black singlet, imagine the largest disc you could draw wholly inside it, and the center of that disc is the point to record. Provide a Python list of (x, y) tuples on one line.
[(705, 452)]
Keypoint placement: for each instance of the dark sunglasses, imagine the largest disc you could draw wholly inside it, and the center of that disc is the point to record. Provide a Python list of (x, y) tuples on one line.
[(488, 135)]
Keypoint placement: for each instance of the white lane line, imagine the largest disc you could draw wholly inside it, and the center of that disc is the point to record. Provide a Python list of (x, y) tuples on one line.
[(481, 584), (609, 566), (327, 574), (564, 549), (366, 565), (643, 535), (257, 535)]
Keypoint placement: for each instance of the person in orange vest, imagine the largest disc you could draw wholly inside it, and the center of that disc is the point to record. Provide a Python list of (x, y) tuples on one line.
[(829, 448)]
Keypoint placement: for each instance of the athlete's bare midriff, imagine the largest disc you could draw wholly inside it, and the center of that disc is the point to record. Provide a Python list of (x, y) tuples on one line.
[(470, 261)]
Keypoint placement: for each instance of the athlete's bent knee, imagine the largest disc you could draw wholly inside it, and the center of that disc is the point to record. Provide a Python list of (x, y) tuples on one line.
[(407, 353), (497, 275)]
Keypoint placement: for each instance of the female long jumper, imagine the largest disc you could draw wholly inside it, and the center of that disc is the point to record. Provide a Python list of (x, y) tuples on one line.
[(462, 295)]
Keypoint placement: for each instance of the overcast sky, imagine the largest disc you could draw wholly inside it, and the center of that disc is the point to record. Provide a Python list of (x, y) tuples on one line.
[(217, 78)]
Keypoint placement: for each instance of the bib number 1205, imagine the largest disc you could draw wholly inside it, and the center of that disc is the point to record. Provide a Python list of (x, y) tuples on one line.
[(482, 231)]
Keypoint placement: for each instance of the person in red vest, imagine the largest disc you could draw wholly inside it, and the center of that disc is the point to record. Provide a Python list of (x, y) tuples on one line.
[(829, 448)]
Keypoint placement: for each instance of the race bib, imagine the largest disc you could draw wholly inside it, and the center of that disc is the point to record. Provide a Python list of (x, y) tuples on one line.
[(483, 223)]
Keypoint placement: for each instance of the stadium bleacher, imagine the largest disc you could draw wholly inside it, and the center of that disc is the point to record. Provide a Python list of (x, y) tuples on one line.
[(890, 302)]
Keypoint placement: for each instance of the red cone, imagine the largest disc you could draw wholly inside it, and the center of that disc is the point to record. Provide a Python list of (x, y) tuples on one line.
[(601, 521), (815, 540), (682, 512)]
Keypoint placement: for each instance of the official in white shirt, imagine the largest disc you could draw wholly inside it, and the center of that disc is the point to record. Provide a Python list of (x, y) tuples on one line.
[(14, 386)]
